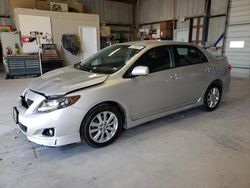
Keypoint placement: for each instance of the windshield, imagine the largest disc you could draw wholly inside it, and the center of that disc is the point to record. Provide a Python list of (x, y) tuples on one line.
[(110, 59)]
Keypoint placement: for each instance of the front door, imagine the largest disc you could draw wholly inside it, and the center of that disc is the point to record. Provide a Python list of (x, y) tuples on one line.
[(156, 92)]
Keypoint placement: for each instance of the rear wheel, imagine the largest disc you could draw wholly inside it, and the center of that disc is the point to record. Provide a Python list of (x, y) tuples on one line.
[(101, 126), (212, 97)]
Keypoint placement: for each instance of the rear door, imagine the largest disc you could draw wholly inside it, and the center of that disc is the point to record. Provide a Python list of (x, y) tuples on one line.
[(193, 73)]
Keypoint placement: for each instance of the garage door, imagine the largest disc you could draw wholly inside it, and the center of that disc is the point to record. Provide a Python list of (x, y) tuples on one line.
[(237, 47)]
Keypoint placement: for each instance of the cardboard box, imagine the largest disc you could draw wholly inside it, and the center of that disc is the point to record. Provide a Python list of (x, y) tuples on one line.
[(5, 28), (72, 6), (105, 31), (166, 34), (75, 7), (166, 25), (43, 5), (22, 4)]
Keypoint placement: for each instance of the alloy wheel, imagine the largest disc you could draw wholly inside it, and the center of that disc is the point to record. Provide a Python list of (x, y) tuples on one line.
[(103, 127), (213, 97)]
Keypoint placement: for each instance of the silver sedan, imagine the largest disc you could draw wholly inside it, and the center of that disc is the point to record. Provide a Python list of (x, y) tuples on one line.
[(119, 87)]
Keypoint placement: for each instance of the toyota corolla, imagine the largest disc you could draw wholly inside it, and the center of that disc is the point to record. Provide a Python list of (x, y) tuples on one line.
[(119, 87)]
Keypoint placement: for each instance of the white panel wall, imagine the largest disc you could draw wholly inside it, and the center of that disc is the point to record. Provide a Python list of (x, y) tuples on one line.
[(183, 25), (63, 23), (238, 29), (181, 33), (240, 12)]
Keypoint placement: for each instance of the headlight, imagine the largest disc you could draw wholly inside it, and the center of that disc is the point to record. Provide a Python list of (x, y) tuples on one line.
[(49, 105)]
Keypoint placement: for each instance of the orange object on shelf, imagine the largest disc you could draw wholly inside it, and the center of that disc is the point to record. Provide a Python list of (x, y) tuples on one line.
[(5, 27)]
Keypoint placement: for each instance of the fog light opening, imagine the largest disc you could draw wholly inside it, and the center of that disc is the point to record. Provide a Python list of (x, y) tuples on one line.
[(49, 132)]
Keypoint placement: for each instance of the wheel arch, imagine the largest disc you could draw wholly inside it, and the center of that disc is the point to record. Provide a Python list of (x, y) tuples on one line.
[(112, 103), (118, 106), (217, 82)]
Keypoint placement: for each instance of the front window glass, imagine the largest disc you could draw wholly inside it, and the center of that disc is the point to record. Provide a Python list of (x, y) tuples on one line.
[(110, 59), (156, 59)]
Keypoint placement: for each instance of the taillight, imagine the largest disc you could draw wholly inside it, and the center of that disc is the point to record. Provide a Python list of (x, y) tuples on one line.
[(229, 66)]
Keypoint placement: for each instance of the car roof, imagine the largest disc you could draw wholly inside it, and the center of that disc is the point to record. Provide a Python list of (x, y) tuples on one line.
[(152, 43), (155, 43)]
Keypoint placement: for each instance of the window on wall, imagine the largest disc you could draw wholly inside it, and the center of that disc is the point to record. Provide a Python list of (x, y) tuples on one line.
[(156, 59), (237, 44), (188, 55)]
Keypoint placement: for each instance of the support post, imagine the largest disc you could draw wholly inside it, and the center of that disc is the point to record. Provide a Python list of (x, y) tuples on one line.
[(206, 22), (191, 25)]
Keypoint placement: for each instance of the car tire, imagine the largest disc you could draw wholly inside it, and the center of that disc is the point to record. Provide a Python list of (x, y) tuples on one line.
[(101, 126), (212, 97)]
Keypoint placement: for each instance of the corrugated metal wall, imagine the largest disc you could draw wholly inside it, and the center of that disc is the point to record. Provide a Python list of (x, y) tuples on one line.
[(3, 7), (110, 11), (190, 8), (219, 7), (156, 10), (238, 29), (161, 10)]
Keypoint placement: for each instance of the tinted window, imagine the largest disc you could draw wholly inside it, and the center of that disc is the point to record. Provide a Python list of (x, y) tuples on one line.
[(188, 55), (156, 59)]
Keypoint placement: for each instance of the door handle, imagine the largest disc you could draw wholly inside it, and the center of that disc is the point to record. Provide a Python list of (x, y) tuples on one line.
[(207, 69)]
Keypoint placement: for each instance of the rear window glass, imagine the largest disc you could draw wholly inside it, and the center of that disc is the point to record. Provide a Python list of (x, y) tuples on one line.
[(188, 55)]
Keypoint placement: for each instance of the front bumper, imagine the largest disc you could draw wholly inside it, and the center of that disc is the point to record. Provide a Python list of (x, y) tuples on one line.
[(55, 141), (66, 123)]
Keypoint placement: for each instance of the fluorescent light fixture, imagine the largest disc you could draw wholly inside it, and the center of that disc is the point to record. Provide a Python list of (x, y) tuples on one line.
[(237, 44)]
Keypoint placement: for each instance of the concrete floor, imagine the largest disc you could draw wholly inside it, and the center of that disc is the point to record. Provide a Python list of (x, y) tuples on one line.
[(190, 149)]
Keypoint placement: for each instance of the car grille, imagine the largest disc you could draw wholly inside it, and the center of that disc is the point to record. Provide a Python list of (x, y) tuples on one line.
[(22, 127), (26, 102)]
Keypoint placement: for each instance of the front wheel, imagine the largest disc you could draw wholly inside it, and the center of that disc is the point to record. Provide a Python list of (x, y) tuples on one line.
[(212, 97), (101, 126)]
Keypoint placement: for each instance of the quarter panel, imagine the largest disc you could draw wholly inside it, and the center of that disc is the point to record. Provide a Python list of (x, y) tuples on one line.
[(193, 81)]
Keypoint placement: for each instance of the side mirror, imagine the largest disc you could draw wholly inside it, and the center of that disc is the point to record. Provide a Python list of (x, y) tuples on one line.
[(140, 71)]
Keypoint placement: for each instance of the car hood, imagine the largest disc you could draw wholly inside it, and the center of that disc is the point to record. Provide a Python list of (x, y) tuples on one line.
[(64, 80)]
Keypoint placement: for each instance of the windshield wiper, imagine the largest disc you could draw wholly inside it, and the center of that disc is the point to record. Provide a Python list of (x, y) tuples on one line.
[(84, 68)]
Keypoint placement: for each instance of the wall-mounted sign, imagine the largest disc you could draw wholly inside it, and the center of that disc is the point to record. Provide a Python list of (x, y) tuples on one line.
[(59, 7), (182, 19), (237, 44)]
